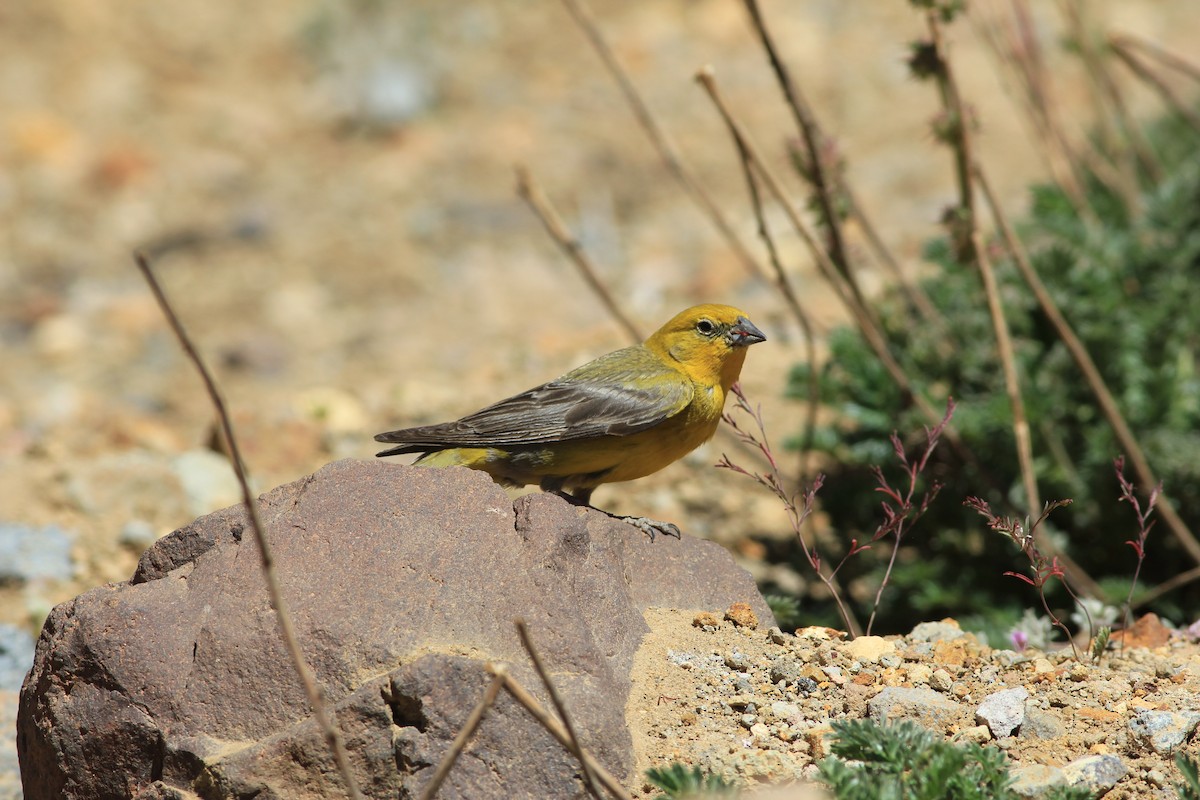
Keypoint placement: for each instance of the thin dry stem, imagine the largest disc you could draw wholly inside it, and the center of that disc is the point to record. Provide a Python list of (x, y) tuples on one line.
[(519, 693), (1164, 56), (899, 513), (963, 146), (870, 330), (785, 288), (972, 248), (1141, 70), (798, 512), (674, 162), (830, 186), (1107, 98), (531, 192), (1012, 382), (824, 184), (1021, 50), (313, 690), (1166, 587), (1095, 381), (1144, 525), (1140, 144), (575, 747), (917, 297), (464, 736)]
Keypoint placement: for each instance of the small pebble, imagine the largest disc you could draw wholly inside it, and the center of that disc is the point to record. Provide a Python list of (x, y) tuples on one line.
[(786, 668), (737, 660), (29, 553), (16, 656), (869, 649), (742, 615), (977, 734), (138, 534), (919, 673)]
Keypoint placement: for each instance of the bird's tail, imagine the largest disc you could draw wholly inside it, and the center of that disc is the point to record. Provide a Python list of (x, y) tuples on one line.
[(401, 450), (450, 457)]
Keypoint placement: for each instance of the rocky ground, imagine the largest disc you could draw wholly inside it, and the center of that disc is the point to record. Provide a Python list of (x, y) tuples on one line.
[(755, 706), (329, 192)]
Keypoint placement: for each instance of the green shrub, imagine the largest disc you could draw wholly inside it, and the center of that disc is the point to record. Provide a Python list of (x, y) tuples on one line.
[(903, 760), (680, 782), (1189, 769), (1129, 287)]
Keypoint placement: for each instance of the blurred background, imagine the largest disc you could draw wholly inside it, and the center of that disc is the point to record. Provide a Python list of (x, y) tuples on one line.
[(327, 190)]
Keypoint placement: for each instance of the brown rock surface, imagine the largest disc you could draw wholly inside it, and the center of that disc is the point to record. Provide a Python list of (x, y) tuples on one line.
[(402, 583)]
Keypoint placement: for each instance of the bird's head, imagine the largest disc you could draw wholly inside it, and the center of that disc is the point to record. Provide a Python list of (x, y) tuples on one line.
[(708, 342)]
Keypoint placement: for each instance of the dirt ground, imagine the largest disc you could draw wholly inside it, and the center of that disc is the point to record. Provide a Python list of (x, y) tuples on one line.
[(329, 192), (755, 706)]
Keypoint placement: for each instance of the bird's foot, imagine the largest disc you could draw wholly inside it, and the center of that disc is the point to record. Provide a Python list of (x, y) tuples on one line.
[(651, 527)]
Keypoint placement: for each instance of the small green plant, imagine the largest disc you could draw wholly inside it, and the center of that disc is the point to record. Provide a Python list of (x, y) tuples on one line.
[(1190, 770), (1100, 642), (680, 782), (1144, 525), (903, 760), (1042, 570), (899, 511), (786, 610)]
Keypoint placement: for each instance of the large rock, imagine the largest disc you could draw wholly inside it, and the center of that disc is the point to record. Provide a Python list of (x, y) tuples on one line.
[(403, 583)]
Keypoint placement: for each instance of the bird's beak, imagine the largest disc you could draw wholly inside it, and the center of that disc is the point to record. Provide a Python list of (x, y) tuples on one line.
[(744, 333)]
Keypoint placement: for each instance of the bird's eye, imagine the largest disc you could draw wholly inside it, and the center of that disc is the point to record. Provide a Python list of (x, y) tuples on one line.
[(706, 327)]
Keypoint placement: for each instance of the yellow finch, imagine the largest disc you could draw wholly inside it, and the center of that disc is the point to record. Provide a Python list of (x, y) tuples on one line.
[(623, 416)]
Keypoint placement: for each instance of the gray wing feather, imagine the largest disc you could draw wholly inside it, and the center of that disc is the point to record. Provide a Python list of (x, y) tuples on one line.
[(619, 394)]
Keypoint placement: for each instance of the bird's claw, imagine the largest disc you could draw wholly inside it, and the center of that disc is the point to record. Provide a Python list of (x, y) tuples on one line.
[(652, 527)]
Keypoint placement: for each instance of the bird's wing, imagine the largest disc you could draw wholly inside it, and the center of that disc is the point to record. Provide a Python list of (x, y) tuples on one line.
[(618, 394)]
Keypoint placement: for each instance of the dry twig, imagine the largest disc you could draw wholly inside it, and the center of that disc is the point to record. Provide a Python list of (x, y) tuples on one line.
[(816, 149), (972, 250), (316, 695), (917, 297), (1180, 106), (871, 331), (1017, 46), (1164, 56), (1091, 374), (464, 736), (789, 294), (676, 166), (531, 192), (574, 746), (1107, 96), (519, 693), (862, 317)]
